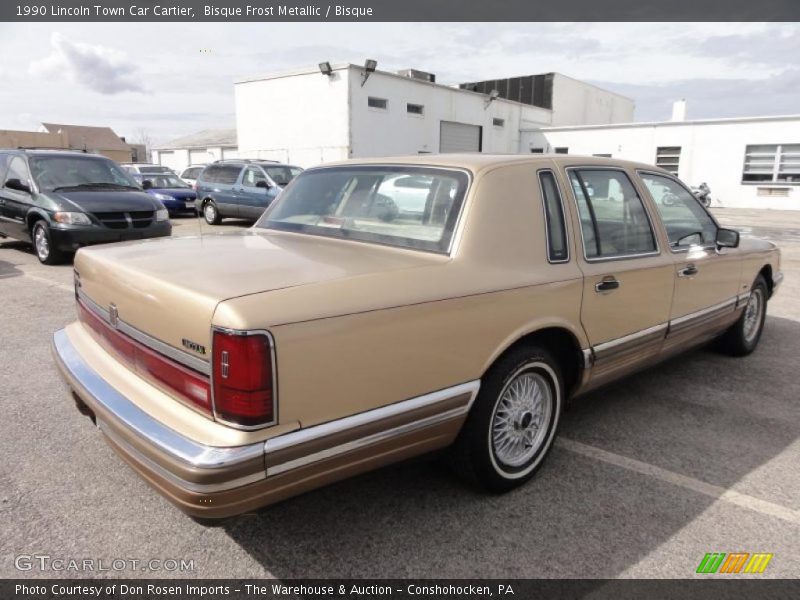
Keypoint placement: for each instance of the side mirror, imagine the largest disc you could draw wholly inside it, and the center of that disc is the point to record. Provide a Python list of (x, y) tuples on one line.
[(727, 238), (17, 184), (262, 184), (147, 184)]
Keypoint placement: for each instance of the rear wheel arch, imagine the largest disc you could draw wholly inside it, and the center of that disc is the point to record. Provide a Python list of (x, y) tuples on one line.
[(562, 344)]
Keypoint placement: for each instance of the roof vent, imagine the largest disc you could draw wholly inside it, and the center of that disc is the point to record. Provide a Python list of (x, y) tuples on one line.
[(421, 75)]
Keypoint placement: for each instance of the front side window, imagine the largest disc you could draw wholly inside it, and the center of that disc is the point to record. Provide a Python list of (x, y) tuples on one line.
[(282, 175), (614, 221), (252, 176), (409, 207), (66, 173), (17, 169), (554, 218), (686, 222)]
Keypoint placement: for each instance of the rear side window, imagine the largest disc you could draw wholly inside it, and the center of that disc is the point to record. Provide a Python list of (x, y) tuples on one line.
[(227, 174), (614, 222), (557, 249)]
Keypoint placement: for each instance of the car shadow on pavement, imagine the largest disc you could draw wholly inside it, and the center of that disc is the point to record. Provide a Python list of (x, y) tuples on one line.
[(703, 415)]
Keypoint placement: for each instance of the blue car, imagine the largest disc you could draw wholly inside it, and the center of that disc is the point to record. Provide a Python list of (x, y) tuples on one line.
[(240, 188), (176, 195)]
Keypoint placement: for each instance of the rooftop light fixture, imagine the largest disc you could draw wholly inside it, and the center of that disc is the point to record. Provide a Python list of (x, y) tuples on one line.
[(369, 68), (325, 68)]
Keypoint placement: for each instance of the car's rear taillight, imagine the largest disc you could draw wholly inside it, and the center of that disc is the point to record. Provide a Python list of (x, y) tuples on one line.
[(188, 384), (243, 378)]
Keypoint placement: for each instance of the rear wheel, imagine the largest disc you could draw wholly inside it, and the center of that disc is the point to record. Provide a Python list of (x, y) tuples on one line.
[(211, 214), (513, 422), (743, 336), (43, 244)]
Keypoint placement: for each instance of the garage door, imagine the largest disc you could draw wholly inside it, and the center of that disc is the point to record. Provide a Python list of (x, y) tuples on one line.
[(170, 159), (459, 137), (199, 157)]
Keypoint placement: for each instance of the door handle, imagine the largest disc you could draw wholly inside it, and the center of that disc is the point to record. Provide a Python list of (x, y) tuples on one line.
[(687, 271), (606, 285)]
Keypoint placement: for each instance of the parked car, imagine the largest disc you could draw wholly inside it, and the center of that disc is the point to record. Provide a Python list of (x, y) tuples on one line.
[(145, 168), (240, 188), (190, 173), (333, 337), (176, 195), (61, 201)]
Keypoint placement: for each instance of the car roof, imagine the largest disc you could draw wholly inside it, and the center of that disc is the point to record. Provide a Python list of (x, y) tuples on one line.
[(478, 161)]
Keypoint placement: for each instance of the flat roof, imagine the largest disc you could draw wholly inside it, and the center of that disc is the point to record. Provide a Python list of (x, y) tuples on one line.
[(345, 66), (718, 121)]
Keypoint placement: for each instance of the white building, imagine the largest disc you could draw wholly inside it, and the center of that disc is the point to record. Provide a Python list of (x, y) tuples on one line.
[(197, 149), (751, 162), (307, 117)]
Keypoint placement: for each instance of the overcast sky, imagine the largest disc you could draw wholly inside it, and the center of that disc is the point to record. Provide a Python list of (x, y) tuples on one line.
[(175, 79)]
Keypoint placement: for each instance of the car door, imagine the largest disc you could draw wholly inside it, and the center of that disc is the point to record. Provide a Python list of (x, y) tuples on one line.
[(628, 280), (254, 192), (15, 203), (706, 278)]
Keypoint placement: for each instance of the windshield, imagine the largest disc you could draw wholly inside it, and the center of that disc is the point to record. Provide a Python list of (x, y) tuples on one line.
[(282, 175), (162, 181), (410, 207), (53, 173)]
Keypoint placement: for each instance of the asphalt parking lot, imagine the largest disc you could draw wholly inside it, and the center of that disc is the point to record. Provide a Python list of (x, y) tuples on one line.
[(699, 454)]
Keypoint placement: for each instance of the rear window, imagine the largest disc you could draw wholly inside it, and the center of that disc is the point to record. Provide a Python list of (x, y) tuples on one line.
[(409, 207), (155, 170), (192, 172), (227, 174)]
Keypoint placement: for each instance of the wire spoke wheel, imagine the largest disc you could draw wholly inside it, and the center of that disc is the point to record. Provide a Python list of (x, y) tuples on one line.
[(753, 315), (521, 418)]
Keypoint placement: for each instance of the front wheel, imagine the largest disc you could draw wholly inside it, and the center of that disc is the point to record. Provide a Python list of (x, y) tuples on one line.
[(211, 214), (513, 422), (43, 245), (743, 336)]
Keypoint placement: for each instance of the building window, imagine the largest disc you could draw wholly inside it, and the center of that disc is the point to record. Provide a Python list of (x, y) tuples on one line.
[(669, 158), (562, 150), (414, 109), (498, 122), (379, 103), (778, 163), (537, 150)]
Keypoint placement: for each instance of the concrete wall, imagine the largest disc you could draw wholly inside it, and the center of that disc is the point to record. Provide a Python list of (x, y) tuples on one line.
[(378, 132), (579, 103), (711, 151), (31, 139), (300, 117)]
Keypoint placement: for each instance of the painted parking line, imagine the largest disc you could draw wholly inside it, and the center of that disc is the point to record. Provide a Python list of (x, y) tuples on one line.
[(48, 282), (690, 483)]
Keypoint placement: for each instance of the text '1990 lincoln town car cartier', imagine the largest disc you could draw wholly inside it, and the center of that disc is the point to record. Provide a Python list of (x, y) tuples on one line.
[(382, 309)]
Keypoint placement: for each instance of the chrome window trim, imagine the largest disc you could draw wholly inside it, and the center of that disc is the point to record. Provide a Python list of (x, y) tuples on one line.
[(457, 227), (323, 430), (567, 236), (273, 358), (615, 257), (188, 360), (678, 250)]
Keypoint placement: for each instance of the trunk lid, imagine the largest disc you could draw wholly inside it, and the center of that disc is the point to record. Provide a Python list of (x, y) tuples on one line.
[(169, 288)]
